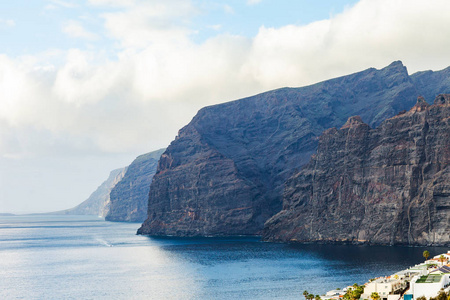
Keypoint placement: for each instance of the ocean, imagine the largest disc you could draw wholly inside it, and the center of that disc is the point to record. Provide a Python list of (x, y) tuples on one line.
[(84, 257)]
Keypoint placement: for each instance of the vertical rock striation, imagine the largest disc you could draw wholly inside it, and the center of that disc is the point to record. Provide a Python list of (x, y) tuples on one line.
[(129, 197), (224, 173), (389, 185)]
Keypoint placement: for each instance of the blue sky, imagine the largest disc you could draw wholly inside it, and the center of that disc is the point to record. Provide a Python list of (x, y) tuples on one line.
[(38, 26), (86, 86)]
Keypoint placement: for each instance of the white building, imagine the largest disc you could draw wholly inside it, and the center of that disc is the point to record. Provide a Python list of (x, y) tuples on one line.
[(385, 286), (429, 285), (333, 295), (437, 259), (446, 255)]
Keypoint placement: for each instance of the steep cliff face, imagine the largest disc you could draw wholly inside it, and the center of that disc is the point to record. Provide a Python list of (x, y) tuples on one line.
[(430, 83), (98, 202), (224, 173), (129, 197), (389, 185)]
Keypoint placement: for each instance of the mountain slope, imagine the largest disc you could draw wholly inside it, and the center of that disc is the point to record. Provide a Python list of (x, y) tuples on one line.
[(98, 202), (129, 197), (224, 173), (430, 84), (389, 185)]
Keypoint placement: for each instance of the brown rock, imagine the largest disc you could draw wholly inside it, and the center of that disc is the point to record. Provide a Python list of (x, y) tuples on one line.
[(224, 174), (389, 185)]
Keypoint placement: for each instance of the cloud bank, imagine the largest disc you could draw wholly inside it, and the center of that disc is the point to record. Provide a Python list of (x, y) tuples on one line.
[(158, 77)]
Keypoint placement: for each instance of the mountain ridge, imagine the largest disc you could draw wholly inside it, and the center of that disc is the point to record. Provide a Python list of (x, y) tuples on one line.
[(246, 149)]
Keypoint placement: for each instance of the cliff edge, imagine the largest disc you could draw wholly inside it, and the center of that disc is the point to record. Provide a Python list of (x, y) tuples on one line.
[(389, 185), (129, 197), (224, 174)]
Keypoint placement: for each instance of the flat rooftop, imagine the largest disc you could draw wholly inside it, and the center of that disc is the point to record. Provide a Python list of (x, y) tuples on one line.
[(429, 279)]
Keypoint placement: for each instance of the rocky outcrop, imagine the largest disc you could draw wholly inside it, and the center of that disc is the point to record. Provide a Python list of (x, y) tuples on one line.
[(129, 197), (389, 185), (98, 202), (224, 173), (430, 83), (124, 195)]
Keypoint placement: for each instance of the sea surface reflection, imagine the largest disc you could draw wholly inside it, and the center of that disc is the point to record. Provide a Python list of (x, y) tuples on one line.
[(74, 257)]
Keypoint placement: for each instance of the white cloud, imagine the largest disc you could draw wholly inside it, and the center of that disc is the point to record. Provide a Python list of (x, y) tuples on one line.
[(372, 33), (7, 23), (65, 4), (75, 29), (253, 2), (228, 9), (80, 103), (215, 27), (151, 22), (115, 3), (160, 77), (50, 7)]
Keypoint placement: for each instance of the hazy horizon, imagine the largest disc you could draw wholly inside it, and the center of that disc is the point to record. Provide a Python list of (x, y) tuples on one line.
[(87, 86)]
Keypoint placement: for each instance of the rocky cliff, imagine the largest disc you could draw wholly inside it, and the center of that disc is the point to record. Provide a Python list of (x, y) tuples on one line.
[(129, 197), (98, 202), (389, 185), (430, 83), (224, 173)]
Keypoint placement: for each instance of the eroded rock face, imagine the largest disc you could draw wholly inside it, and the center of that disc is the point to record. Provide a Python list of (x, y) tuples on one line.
[(129, 197), (224, 174), (389, 185), (430, 83)]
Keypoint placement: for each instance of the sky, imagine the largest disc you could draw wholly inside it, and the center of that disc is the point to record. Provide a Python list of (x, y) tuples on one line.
[(88, 85)]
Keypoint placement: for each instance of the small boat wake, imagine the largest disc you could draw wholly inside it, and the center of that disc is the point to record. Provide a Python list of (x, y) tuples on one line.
[(103, 242)]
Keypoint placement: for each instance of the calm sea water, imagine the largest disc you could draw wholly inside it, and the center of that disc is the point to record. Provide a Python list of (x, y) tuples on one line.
[(74, 257)]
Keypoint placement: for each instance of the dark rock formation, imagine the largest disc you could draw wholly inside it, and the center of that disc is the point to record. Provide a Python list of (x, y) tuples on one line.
[(129, 197), (430, 83), (389, 185), (224, 173), (98, 202)]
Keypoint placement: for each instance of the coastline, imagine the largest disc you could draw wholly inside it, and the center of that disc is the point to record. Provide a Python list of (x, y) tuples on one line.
[(422, 281)]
